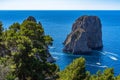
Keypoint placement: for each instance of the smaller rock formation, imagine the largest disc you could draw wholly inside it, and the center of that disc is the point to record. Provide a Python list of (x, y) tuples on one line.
[(31, 18), (86, 35)]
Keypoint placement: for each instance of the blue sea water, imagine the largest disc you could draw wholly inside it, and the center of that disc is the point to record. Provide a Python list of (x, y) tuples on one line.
[(59, 23)]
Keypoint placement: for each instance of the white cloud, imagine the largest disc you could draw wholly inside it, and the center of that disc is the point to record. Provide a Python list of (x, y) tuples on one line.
[(58, 5)]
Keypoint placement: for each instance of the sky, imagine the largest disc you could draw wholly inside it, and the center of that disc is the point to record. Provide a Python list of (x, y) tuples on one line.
[(59, 4)]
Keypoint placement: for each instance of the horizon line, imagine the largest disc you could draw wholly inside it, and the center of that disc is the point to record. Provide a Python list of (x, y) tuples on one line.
[(59, 10)]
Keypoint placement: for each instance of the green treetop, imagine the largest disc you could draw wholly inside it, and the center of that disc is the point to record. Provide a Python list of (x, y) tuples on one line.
[(75, 71), (28, 50)]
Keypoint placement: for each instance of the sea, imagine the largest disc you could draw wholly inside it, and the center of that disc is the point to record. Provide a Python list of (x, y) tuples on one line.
[(58, 25)]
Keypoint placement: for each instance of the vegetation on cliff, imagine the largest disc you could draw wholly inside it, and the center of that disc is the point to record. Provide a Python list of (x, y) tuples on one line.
[(26, 47), (76, 71), (24, 53)]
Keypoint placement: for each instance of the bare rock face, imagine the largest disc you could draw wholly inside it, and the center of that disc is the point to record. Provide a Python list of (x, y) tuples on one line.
[(86, 35)]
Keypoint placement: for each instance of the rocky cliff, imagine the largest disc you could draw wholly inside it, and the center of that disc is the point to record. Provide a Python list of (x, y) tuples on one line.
[(86, 35)]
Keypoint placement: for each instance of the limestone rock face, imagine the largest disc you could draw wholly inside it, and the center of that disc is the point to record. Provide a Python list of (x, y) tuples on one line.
[(85, 36)]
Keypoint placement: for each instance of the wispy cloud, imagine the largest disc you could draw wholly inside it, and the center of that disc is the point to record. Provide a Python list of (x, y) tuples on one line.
[(59, 4)]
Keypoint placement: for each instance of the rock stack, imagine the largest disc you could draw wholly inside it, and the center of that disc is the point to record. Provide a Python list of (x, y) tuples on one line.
[(86, 35)]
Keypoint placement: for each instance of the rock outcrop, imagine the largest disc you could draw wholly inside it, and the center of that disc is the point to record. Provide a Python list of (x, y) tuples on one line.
[(86, 35), (31, 18)]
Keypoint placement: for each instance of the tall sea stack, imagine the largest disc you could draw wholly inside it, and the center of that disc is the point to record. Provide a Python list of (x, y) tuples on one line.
[(86, 35)]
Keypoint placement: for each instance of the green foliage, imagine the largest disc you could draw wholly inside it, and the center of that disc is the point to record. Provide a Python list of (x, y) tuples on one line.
[(32, 30), (1, 30), (75, 71), (109, 74), (4, 67), (11, 77), (15, 27), (28, 50), (4, 70), (118, 77), (48, 40), (106, 75)]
